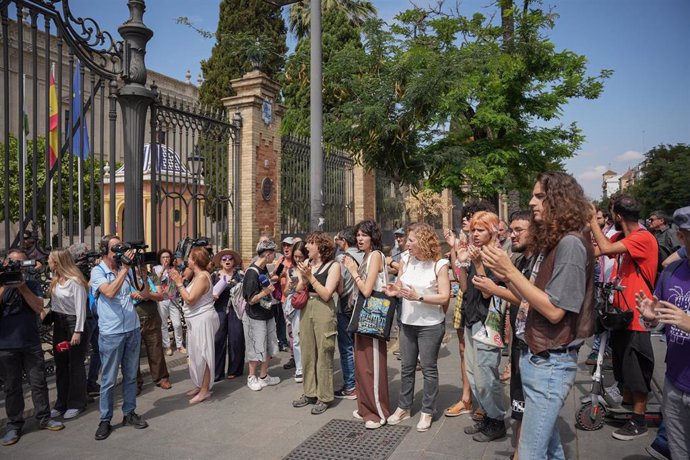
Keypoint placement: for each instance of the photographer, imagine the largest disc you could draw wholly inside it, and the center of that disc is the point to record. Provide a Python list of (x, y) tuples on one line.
[(20, 351), (120, 340)]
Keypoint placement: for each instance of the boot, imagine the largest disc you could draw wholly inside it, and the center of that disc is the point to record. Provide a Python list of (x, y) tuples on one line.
[(493, 429)]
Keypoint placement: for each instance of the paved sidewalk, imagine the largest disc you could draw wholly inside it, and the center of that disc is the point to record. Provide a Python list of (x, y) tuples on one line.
[(240, 423)]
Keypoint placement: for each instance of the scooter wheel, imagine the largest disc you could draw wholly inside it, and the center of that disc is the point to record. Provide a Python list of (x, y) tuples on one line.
[(590, 419)]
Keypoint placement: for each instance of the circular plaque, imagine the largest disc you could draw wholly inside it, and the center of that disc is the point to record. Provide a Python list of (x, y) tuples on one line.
[(266, 188)]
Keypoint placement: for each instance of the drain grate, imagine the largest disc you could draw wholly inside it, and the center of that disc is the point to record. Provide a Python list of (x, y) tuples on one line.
[(349, 440)]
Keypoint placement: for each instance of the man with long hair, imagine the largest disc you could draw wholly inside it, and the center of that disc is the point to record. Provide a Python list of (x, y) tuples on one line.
[(556, 309)]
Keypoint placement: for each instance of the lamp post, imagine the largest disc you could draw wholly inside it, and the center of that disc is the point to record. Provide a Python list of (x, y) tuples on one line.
[(315, 111), (196, 165)]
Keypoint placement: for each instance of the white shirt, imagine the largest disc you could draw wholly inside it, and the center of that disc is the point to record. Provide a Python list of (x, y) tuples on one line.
[(70, 299), (422, 276)]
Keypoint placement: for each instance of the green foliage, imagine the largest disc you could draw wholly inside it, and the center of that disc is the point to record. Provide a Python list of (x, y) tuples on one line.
[(65, 190), (245, 27), (441, 99), (665, 181), (356, 12)]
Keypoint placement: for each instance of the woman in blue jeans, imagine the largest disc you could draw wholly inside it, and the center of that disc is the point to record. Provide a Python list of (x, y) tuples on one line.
[(425, 289)]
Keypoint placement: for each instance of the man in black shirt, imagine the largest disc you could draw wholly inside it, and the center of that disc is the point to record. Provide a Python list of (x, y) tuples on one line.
[(20, 351), (259, 324)]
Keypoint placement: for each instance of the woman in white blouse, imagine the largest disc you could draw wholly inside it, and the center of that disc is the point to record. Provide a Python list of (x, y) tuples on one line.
[(425, 289), (68, 303)]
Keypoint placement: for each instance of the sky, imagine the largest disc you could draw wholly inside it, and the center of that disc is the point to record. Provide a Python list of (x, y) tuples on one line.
[(645, 42)]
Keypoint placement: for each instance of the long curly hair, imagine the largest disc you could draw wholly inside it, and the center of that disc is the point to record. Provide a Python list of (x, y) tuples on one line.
[(565, 210), (324, 243), (427, 241)]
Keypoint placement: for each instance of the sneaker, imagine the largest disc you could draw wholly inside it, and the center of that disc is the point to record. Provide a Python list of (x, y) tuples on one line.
[(424, 422), (299, 378), (54, 413), (656, 450), (345, 393), (319, 408), (290, 364), (103, 431), (135, 420), (459, 408), (478, 415), (615, 394), (253, 383), (283, 347), (269, 381), (304, 400), (51, 425), (72, 413), (356, 415), (493, 429), (169, 351), (400, 415), (592, 358), (476, 428), (372, 425), (10, 437), (631, 430)]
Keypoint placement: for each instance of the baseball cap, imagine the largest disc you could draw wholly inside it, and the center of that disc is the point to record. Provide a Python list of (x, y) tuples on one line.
[(400, 231), (681, 217), (289, 240)]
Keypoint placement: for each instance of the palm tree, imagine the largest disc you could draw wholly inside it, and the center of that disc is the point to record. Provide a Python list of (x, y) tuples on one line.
[(357, 12)]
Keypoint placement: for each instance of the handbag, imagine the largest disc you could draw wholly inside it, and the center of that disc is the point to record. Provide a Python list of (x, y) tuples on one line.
[(299, 299), (373, 316), (491, 332)]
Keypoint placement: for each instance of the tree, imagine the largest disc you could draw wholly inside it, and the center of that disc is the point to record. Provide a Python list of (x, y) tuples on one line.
[(440, 99), (665, 178), (245, 27), (356, 12)]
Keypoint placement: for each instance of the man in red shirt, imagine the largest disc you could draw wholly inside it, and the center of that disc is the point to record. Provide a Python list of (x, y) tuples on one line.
[(635, 254)]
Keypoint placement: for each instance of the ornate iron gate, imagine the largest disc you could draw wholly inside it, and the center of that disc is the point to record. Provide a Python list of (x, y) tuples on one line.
[(58, 71), (187, 160), (338, 188)]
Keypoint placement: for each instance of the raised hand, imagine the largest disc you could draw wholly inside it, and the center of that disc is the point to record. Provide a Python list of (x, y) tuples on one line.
[(646, 306), (497, 260), (484, 284), (450, 238)]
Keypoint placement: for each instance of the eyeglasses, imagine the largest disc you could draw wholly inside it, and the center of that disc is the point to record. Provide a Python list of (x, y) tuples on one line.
[(652, 219), (517, 231), (226, 259)]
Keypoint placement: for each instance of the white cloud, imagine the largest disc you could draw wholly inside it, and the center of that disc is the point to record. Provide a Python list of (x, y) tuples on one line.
[(592, 173), (629, 156)]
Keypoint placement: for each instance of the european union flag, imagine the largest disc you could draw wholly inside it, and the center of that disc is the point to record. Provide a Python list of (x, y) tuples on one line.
[(80, 131)]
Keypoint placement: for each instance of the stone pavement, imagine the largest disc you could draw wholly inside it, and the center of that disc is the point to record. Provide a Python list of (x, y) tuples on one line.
[(239, 423)]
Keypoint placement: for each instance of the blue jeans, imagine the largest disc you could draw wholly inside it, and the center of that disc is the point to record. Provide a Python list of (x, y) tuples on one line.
[(481, 364), (119, 350), (546, 383), (345, 349)]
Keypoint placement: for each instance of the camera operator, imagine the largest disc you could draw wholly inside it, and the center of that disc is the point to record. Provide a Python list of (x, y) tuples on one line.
[(20, 351), (120, 339)]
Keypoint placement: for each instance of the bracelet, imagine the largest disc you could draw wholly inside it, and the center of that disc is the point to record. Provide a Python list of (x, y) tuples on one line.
[(462, 264)]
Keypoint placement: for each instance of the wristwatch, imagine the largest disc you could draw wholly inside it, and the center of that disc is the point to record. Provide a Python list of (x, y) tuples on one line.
[(421, 299)]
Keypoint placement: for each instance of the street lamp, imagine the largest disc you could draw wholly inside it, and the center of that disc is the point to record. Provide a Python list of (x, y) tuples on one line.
[(196, 166), (315, 110)]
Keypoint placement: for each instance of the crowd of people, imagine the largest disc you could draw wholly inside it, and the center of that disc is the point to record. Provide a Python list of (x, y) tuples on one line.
[(528, 286)]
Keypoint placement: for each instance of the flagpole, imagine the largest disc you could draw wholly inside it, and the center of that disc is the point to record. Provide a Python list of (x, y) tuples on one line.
[(49, 176)]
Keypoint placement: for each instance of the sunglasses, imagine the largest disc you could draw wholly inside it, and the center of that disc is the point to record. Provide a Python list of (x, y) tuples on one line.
[(226, 259)]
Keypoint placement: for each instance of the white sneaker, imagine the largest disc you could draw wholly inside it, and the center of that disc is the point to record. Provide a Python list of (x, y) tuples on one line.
[(253, 383), (424, 422), (356, 415), (269, 381), (372, 425), (71, 413), (614, 393), (54, 413), (299, 378), (400, 415)]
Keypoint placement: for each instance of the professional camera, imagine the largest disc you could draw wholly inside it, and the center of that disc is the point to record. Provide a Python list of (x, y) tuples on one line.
[(12, 273), (139, 254), (609, 317), (186, 245), (85, 262)]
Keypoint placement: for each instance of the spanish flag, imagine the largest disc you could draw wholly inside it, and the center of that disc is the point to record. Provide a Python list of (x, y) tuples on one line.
[(53, 136)]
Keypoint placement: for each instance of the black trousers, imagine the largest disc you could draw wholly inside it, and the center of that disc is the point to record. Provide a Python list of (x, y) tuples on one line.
[(229, 343), (281, 326), (70, 372), (13, 363)]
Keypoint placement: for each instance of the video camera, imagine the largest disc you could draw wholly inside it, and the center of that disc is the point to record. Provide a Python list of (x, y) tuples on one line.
[(85, 262), (141, 256), (12, 273), (186, 245)]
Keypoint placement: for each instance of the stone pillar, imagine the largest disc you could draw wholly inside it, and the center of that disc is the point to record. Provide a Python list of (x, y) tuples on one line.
[(364, 193), (259, 160), (447, 218)]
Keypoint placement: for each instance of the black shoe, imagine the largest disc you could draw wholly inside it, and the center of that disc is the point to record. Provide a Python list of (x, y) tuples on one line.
[(319, 408), (494, 429), (290, 364), (135, 420), (304, 400), (631, 430), (94, 391), (103, 431), (477, 427)]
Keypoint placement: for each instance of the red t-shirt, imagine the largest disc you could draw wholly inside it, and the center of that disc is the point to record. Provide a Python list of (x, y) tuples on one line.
[(643, 247)]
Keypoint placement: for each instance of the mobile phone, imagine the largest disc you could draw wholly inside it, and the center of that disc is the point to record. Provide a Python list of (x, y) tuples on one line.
[(270, 268)]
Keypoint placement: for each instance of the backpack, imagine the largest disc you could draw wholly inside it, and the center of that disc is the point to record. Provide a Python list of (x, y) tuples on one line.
[(239, 303)]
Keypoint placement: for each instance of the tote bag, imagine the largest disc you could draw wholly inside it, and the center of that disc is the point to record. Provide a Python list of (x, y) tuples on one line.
[(491, 332)]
